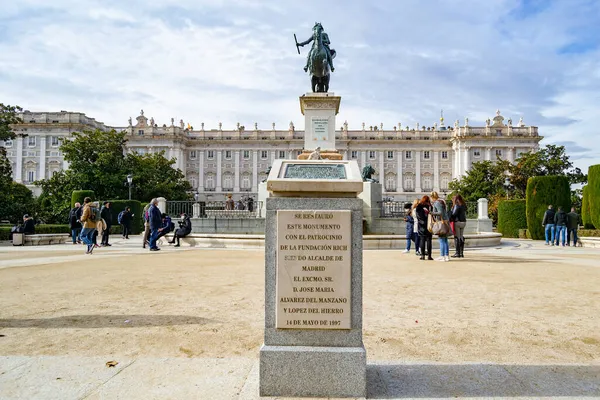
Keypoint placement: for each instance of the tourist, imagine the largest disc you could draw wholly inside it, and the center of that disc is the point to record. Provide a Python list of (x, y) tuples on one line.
[(88, 218), (573, 222), (250, 204), (423, 209), (106, 215), (99, 224), (441, 215), (560, 222), (548, 224), (155, 221), (28, 225), (74, 224), (239, 206), (417, 238), (185, 228), (459, 221), (410, 226), (167, 226), (126, 219), (229, 203), (146, 225)]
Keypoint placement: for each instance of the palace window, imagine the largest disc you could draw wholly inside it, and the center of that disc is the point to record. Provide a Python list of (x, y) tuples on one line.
[(193, 156), (408, 183), (246, 154), (445, 181), (498, 153), (210, 154), (390, 184), (228, 182), (390, 155), (30, 176), (228, 154), (354, 154), (54, 141), (498, 132), (426, 155), (246, 182), (371, 155), (210, 182), (31, 141), (8, 143), (193, 182), (281, 154), (427, 183), (141, 132), (263, 154), (444, 155), (476, 153), (408, 155)]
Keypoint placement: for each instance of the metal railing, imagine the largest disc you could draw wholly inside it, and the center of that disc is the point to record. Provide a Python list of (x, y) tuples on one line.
[(472, 212), (216, 209), (395, 209)]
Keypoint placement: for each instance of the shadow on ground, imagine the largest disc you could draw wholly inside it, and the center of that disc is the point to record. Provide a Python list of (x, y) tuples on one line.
[(481, 380), (104, 321)]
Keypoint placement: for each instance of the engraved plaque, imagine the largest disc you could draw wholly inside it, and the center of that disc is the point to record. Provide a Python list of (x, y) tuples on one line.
[(315, 171), (313, 269), (320, 128)]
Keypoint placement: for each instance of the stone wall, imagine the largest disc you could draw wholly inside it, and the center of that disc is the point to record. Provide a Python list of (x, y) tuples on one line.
[(228, 225)]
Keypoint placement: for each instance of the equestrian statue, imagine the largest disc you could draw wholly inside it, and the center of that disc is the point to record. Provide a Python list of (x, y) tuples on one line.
[(319, 61)]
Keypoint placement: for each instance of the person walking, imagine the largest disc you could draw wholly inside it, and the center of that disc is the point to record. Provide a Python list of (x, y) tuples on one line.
[(74, 224), (417, 238), (155, 221), (423, 209), (126, 219), (459, 218), (440, 214), (106, 215), (560, 222), (410, 226), (548, 224), (185, 228), (573, 222), (88, 219), (146, 225)]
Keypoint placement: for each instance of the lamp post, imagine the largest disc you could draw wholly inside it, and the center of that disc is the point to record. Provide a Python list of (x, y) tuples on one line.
[(129, 181), (507, 186)]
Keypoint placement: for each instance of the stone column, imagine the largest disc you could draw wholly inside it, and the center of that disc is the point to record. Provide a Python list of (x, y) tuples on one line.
[(272, 158), (436, 171), (236, 177), (482, 208), (42, 157), (19, 169), (381, 171), (219, 168), (459, 165), (418, 171), (364, 159), (255, 171), (399, 179), (510, 154), (467, 159), (345, 155), (200, 170), (488, 153)]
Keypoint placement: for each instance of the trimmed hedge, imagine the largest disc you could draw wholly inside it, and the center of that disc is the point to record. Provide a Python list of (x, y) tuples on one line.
[(136, 208), (42, 228), (586, 216), (78, 195), (588, 233), (593, 194), (512, 216), (542, 191)]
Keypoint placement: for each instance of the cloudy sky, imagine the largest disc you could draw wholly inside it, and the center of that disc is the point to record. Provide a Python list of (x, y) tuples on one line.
[(229, 61)]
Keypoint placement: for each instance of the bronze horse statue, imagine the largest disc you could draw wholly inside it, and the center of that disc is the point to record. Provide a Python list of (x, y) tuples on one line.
[(320, 59)]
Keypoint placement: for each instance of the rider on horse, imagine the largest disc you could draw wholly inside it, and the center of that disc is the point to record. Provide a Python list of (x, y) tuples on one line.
[(318, 30)]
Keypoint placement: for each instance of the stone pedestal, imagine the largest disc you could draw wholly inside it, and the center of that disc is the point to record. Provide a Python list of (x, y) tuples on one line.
[(313, 284), (371, 198), (319, 110)]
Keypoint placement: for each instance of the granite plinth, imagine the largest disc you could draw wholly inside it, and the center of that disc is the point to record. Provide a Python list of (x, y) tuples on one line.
[(325, 155), (303, 371)]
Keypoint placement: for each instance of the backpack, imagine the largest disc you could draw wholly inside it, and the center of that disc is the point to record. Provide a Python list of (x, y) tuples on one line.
[(95, 214), (120, 217), (171, 226), (73, 216)]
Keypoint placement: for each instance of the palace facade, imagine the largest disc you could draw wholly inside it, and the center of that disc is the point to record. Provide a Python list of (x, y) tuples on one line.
[(408, 162)]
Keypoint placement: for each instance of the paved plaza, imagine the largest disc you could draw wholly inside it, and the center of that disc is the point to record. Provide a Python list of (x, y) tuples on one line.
[(517, 321)]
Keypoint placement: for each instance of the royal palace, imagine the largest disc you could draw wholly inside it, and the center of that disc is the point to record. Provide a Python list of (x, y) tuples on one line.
[(220, 161)]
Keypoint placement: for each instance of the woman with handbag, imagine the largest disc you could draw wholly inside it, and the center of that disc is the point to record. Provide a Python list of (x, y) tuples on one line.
[(423, 216), (459, 216), (440, 226)]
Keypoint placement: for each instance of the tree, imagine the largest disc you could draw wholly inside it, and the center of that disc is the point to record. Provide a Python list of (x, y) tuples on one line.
[(12, 195), (483, 180), (155, 176), (55, 201), (8, 117)]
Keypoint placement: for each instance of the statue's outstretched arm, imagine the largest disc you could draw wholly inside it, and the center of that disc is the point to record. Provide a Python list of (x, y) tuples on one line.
[(306, 42)]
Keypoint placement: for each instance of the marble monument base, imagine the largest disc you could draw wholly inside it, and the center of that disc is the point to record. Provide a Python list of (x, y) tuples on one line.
[(325, 155)]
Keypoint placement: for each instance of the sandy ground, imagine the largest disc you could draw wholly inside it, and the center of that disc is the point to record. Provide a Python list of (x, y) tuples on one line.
[(526, 305)]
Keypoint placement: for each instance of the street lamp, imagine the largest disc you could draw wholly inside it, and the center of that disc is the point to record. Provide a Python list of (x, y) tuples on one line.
[(507, 185), (129, 181)]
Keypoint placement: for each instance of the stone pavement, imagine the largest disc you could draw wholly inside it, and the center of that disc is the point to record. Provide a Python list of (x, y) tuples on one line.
[(142, 376)]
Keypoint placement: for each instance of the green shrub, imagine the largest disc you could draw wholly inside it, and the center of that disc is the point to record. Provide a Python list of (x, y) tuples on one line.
[(136, 208), (511, 217), (78, 195), (593, 194), (586, 216), (588, 233), (542, 191), (42, 228)]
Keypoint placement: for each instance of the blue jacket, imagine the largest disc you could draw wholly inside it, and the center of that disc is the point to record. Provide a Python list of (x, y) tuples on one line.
[(166, 225), (155, 217), (410, 225)]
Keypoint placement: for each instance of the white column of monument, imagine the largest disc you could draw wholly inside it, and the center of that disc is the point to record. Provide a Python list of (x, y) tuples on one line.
[(467, 159)]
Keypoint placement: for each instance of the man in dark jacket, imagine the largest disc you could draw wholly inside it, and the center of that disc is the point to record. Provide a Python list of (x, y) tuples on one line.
[(560, 220), (126, 219), (106, 215), (75, 225), (573, 222), (28, 225), (155, 221), (548, 224)]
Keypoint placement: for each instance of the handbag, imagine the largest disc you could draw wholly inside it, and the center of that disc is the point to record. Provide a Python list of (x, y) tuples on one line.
[(441, 228), (430, 222)]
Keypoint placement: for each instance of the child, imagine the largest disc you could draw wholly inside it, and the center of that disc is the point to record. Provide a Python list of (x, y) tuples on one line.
[(410, 222)]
